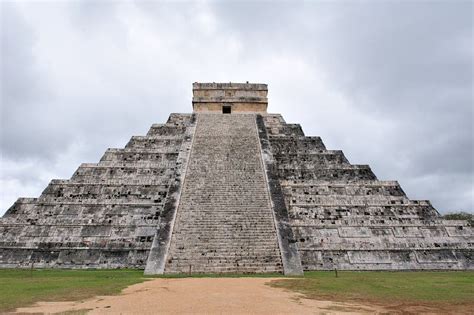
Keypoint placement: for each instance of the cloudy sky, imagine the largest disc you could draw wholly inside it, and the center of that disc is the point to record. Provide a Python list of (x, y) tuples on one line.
[(390, 83)]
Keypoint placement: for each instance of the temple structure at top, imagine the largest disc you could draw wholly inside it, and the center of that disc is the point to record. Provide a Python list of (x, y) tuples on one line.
[(230, 97)]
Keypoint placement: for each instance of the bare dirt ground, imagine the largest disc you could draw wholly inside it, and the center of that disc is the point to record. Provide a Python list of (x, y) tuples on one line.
[(203, 296)]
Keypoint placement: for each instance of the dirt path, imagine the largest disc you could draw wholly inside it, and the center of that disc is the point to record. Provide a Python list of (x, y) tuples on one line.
[(203, 296)]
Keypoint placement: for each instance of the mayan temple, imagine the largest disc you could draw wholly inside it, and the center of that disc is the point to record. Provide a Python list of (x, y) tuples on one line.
[(229, 188)]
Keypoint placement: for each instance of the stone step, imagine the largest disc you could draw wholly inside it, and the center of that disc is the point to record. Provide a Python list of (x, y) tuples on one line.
[(222, 262), (223, 270), (223, 242)]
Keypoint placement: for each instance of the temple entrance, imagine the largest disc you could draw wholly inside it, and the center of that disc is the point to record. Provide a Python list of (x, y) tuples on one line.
[(226, 110)]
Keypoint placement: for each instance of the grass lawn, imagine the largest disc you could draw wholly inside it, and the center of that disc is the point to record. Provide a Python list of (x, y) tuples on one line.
[(450, 289), (24, 287)]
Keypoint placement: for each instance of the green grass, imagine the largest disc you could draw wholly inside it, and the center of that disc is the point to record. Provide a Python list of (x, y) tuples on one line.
[(24, 287), (386, 287)]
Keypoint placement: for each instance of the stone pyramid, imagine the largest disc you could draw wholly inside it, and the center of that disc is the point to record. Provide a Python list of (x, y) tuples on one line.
[(229, 188)]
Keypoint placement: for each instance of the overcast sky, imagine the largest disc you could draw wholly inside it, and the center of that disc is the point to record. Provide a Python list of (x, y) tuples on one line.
[(389, 83)]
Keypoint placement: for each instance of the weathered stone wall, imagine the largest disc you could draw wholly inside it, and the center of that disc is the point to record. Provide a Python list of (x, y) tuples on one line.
[(161, 242), (286, 239), (237, 107), (107, 214), (241, 97), (343, 217)]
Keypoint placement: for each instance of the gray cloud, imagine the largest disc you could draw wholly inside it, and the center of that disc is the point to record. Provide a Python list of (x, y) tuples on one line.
[(389, 83)]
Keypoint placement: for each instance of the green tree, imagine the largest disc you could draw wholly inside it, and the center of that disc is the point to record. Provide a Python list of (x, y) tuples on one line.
[(460, 215)]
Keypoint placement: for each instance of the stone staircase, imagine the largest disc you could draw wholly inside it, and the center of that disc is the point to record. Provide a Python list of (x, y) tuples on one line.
[(224, 221)]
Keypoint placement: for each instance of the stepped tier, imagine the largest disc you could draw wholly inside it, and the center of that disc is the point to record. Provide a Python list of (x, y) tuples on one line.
[(107, 214), (344, 218)]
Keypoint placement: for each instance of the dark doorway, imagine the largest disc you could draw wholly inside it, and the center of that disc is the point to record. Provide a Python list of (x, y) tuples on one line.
[(226, 110)]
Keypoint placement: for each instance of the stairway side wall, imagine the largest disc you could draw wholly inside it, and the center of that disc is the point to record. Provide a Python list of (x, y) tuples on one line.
[(289, 251), (161, 242)]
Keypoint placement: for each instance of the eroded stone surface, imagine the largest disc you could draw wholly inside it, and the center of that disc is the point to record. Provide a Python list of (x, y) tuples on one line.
[(343, 217), (107, 214), (238, 97)]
